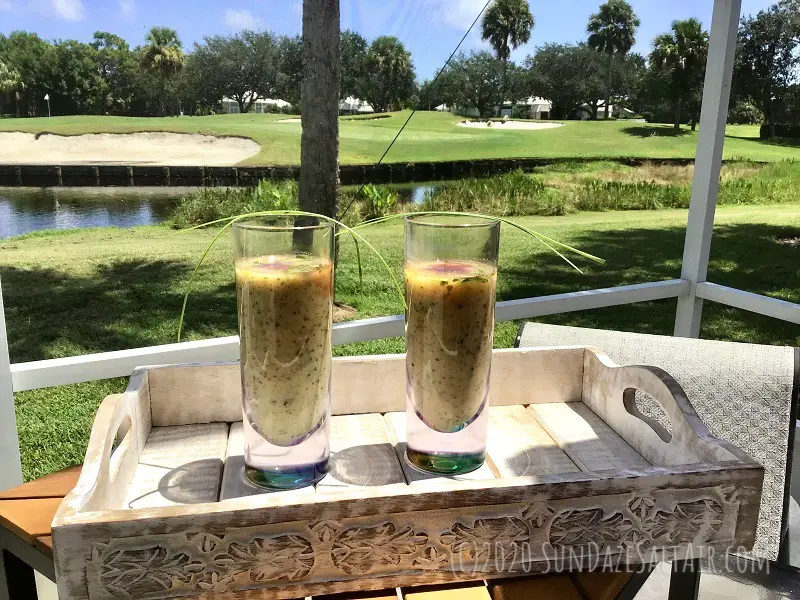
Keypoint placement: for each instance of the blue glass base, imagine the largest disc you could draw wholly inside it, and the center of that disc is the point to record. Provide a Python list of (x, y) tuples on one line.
[(287, 479)]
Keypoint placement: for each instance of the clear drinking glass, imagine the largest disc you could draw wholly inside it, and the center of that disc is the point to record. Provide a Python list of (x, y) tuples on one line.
[(284, 288), (451, 278)]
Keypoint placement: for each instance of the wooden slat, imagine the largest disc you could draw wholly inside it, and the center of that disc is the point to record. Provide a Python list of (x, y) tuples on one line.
[(470, 591), (601, 586), (55, 485), (30, 518), (586, 439), (518, 445), (545, 587), (179, 465), (362, 453), (396, 423), (234, 484)]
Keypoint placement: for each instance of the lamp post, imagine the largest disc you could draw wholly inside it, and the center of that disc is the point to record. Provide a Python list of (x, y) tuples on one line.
[(47, 97)]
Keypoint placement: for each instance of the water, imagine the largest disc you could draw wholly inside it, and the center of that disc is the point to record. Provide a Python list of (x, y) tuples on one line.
[(25, 210)]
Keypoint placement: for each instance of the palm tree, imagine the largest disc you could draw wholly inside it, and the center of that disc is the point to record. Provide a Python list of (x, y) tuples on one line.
[(507, 25), (163, 55), (681, 56), (612, 30), (11, 81)]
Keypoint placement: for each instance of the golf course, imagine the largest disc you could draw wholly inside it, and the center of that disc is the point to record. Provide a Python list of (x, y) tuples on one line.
[(429, 136), (81, 291)]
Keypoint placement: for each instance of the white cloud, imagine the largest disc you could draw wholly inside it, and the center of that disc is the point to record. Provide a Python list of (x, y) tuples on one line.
[(5, 5), (65, 10), (237, 19), (127, 9), (458, 14), (69, 10)]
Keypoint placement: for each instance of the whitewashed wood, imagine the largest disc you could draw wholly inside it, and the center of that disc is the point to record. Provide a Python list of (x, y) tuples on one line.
[(708, 161), (528, 308), (120, 363), (346, 530), (756, 303), (179, 465), (234, 484), (396, 424), (604, 388), (362, 454), (518, 445), (10, 464), (586, 439)]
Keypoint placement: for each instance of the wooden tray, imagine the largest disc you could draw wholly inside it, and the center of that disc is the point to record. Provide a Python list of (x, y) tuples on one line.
[(575, 474)]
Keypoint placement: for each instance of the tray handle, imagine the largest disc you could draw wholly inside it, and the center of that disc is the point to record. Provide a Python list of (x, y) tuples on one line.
[(111, 459), (609, 390)]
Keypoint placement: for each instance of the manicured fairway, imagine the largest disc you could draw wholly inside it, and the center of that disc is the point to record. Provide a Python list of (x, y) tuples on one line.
[(430, 136)]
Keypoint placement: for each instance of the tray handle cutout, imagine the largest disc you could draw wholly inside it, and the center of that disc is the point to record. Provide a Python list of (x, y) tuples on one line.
[(629, 399), (120, 446)]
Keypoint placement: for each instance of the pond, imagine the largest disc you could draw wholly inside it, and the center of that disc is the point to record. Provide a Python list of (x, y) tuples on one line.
[(24, 210)]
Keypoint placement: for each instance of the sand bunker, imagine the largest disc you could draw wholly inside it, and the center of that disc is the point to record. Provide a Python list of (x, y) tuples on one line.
[(128, 149), (509, 125)]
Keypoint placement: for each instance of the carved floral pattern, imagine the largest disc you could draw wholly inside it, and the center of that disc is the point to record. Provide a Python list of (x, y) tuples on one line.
[(488, 540), (479, 538), (588, 529), (359, 550), (129, 572)]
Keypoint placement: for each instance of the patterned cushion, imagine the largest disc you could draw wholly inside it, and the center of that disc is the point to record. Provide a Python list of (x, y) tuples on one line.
[(743, 393)]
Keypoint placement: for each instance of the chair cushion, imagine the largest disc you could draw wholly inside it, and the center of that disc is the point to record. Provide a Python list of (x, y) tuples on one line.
[(743, 393)]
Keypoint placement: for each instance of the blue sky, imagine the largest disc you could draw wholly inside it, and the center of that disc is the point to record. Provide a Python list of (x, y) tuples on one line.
[(430, 28)]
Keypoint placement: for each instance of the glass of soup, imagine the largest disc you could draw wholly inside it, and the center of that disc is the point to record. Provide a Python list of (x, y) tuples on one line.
[(450, 283), (284, 289)]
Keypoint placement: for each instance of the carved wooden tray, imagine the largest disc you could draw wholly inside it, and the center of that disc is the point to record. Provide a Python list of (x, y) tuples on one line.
[(576, 474)]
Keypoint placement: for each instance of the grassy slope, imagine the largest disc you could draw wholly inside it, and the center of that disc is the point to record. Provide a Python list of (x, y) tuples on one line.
[(95, 290), (429, 136)]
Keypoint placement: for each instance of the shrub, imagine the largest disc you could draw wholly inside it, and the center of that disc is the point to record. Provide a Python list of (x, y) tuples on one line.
[(210, 204), (378, 202), (505, 195)]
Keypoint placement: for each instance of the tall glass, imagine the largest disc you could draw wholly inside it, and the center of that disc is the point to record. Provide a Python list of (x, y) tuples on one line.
[(284, 288), (451, 278)]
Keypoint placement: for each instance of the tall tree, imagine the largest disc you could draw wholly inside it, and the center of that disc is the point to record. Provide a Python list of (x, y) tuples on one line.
[(569, 75), (679, 57), (354, 57), (319, 143), (507, 25), (163, 55), (470, 82), (33, 58), (116, 66), (612, 30), (11, 83), (290, 68), (388, 74), (242, 67), (766, 61)]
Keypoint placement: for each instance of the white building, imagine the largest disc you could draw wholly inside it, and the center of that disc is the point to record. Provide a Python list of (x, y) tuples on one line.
[(261, 105), (351, 105)]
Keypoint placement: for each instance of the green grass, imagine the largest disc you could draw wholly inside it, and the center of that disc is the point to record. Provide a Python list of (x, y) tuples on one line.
[(430, 136), (74, 292)]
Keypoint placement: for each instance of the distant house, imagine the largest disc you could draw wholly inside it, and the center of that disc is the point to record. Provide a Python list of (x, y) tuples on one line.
[(352, 106), (261, 105)]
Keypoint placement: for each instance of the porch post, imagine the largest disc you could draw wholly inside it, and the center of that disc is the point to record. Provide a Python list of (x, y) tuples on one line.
[(708, 161), (10, 467)]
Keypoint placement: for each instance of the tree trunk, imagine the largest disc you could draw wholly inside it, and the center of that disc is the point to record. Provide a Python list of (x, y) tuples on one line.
[(319, 145), (608, 85), (503, 81), (678, 108), (16, 102)]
